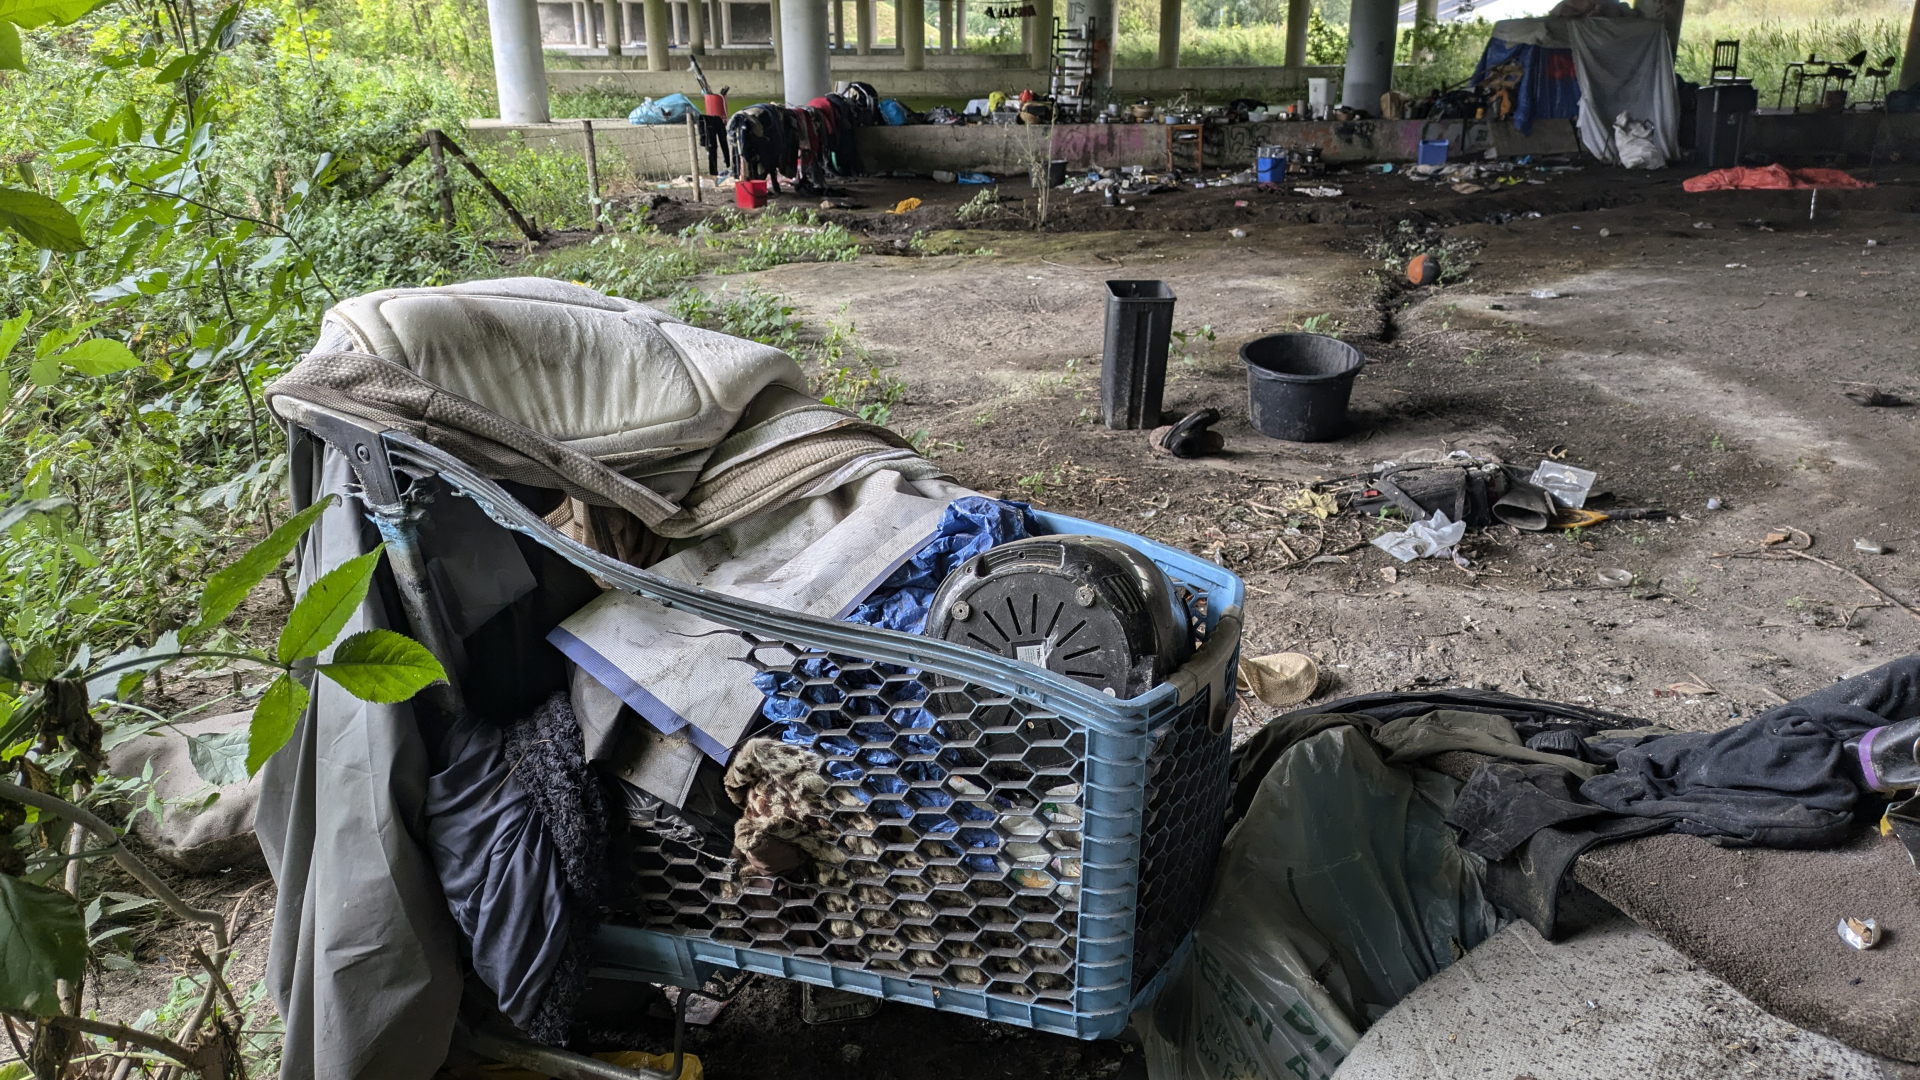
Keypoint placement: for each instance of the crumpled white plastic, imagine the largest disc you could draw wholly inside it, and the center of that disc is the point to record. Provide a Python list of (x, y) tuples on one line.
[(1633, 141), (1423, 539)]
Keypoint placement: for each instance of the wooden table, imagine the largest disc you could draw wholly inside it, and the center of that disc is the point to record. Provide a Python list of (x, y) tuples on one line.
[(1199, 138)]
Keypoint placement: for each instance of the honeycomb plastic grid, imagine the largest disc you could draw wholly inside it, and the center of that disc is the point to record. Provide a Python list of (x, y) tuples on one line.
[(1188, 792), (960, 813)]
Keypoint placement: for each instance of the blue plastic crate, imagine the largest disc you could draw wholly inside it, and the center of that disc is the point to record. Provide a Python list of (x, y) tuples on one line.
[(971, 890), (1433, 151)]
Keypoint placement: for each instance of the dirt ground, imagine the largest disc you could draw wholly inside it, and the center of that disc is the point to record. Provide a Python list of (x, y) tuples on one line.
[(1698, 348)]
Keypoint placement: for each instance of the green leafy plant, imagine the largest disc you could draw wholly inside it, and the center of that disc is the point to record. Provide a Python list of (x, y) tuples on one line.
[(985, 204), (51, 712)]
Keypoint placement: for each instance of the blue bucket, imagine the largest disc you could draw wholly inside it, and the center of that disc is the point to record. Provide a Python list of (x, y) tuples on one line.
[(1433, 151), (1270, 170)]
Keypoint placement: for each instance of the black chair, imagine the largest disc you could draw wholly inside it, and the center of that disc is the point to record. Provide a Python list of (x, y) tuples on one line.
[(1878, 76), (1726, 62)]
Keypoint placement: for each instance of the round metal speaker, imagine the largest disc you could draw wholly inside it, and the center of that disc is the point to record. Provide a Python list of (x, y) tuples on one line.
[(1091, 609)]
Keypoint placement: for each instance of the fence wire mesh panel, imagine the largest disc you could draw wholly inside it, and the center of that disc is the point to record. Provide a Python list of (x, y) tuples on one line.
[(959, 815)]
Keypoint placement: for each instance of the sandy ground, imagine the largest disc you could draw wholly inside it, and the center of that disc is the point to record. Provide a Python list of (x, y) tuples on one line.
[(1698, 351)]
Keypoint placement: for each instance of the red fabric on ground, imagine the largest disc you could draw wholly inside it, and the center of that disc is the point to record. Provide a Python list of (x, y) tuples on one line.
[(1772, 178)]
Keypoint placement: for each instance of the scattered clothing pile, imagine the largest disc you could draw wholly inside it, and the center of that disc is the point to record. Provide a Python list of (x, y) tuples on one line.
[(805, 143)]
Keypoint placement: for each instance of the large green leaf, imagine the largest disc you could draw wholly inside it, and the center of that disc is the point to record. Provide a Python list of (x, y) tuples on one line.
[(127, 669), (42, 938), (11, 330), (41, 221), (99, 356), (226, 589), (25, 508), (274, 719), (221, 757), (31, 13), (319, 616), (11, 58), (380, 665)]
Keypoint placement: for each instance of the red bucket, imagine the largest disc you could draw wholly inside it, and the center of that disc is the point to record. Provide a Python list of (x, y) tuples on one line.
[(750, 194), (716, 105)]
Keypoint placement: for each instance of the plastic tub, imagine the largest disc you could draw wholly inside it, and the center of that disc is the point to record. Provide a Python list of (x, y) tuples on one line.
[(1298, 385), (1433, 151), (750, 194)]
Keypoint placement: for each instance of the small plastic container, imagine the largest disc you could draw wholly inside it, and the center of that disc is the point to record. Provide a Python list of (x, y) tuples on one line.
[(750, 194), (1568, 484), (1433, 151)]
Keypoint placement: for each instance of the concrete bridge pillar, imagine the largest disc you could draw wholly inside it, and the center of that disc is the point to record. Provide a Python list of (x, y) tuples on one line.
[(803, 60), (1370, 32), (519, 67)]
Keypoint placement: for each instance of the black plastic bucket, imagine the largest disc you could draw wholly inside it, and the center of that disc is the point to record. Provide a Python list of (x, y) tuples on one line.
[(1298, 385)]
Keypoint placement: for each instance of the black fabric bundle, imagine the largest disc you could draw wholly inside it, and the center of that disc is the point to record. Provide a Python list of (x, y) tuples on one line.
[(1788, 778), (518, 833)]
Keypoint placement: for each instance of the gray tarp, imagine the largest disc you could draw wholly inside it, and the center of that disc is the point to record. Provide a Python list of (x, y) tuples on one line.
[(363, 966)]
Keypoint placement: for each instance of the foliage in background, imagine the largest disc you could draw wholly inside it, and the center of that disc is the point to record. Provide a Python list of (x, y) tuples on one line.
[(1767, 46)]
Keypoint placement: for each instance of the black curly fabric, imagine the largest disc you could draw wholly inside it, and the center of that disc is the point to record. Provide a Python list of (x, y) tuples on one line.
[(548, 759), (518, 832)]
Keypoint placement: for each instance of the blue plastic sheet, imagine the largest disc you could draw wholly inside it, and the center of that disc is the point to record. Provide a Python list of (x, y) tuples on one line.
[(1549, 88), (672, 109), (970, 526)]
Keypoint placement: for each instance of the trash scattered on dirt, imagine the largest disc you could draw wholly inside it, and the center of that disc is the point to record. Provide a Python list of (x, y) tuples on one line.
[(1874, 398), (1696, 687), (1606, 232), (1868, 547), (1568, 484), (1308, 501), (1237, 234), (1320, 192), (1713, 504), (1544, 294), (1423, 269), (1614, 579), (1191, 437), (905, 206), (1860, 933), (1423, 539), (1280, 679), (1702, 225), (1801, 293)]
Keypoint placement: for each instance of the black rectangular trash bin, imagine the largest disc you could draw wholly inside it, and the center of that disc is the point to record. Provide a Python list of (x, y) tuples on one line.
[(1721, 119), (1133, 370)]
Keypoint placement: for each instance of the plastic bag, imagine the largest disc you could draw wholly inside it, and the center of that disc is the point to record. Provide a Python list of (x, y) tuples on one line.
[(1633, 143), (1344, 868), (672, 109), (1423, 539), (892, 113)]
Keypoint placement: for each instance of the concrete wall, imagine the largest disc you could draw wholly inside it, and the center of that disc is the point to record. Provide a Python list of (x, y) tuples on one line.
[(628, 152), (1272, 84), (1805, 136)]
